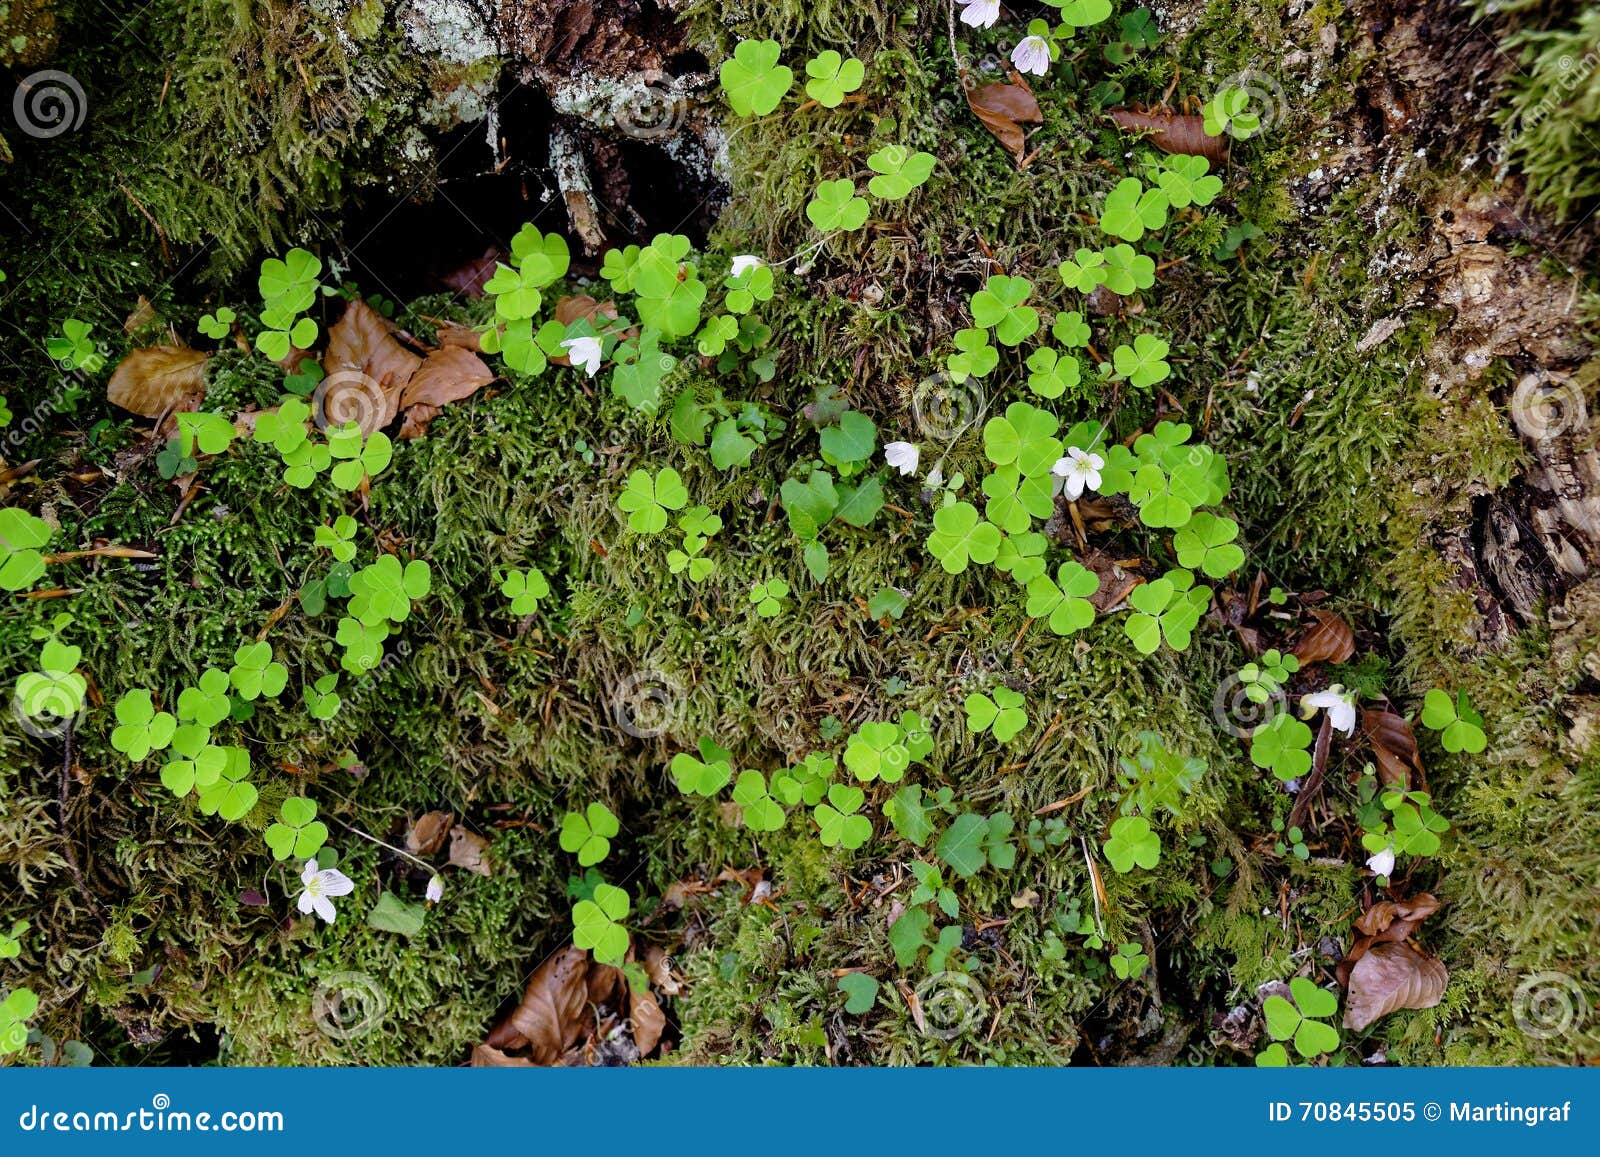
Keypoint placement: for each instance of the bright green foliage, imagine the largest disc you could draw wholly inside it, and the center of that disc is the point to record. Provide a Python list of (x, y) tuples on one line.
[(753, 79), (288, 288), (646, 499), (768, 597), (1157, 779), (1022, 557), (851, 439), (1064, 603), (832, 77), (209, 433), (973, 841), (1131, 210), (999, 306), (357, 460), (959, 536), (1302, 1021), (1164, 476), (297, 834), (1416, 826), (1024, 437), (21, 536), (748, 287), (55, 689), (75, 349), (861, 992), (597, 924), (887, 603), (589, 833), (1004, 714), (141, 728), (704, 776), (384, 590), (1229, 112), (1168, 608), (1460, 726), (884, 750), (255, 673), (1132, 843), (899, 170), (543, 258), (1184, 180), (975, 357), (1128, 962), (1014, 501), (231, 795), (393, 914), (762, 813), (1265, 678), (806, 782), (1082, 13), (1144, 363), (285, 428), (14, 1013), (1084, 270), (931, 886), (201, 769), (911, 811), (836, 206), (11, 942), (524, 588), (669, 294), (363, 643), (712, 339), (217, 326), (1281, 744), (322, 697), (338, 539), (1127, 271), (1207, 544), (1052, 374), (840, 826)]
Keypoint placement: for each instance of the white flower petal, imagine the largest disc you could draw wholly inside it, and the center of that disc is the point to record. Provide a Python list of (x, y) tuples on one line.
[(1072, 484), (903, 456), (324, 908), (335, 883), (584, 352), (1032, 55), (744, 261), (1382, 864), (309, 872), (435, 891), (306, 900), (980, 13)]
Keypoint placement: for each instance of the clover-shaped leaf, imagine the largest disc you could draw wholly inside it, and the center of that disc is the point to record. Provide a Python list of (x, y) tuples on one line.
[(768, 597), (1144, 363), (851, 439), (975, 356), (1460, 727), (836, 206), (1229, 112), (524, 588), (589, 833), (1052, 374), (297, 834), (761, 812), (209, 433), (959, 536), (999, 306), (284, 428), (1207, 544), (1025, 436), (1064, 603), (1022, 557), (231, 795), (1131, 210), (337, 539), (202, 768), (860, 990), (1128, 962), (1301, 1021), (15, 1010), (141, 728), (899, 170), (385, 590), (357, 459), (877, 751), (322, 697), (290, 283), (1132, 843), (597, 927), (1014, 501), (1281, 744), (971, 842), (362, 643), (255, 673), (1082, 13), (1084, 271), (704, 776), (832, 76), (753, 79), (839, 826), (1127, 271), (1004, 714), (217, 325), (646, 499), (1183, 178), (21, 535), (541, 257), (206, 703)]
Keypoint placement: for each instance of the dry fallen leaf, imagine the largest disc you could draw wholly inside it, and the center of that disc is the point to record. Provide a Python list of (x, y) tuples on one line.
[(1386, 922), (648, 1020), (452, 333), (1173, 132), (427, 835), (154, 381), (658, 967), (484, 1057), (1395, 749), (1330, 641), (417, 420), (1004, 109), (1390, 977), (469, 851), (553, 1011), (446, 375), (367, 368)]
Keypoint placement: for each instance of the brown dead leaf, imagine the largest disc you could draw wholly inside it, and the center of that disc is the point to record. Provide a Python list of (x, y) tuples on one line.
[(658, 967), (447, 375), (427, 835), (553, 1011), (1115, 582), (363, 342), (1004, 109), (1386, 922), (1330, 641), (154, 381), (648, 1020), (1395, 749), (143, 314), (484, 1057), (416, 421), (453, 334), (469, 851), (1173, 132), (1388, 978)]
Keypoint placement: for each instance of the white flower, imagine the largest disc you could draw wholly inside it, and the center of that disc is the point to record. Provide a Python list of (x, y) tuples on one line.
[(1382, 864), (744, 261), (321, 887), (435, 891), (935, 478), (1032, 55), (902, 456), (1078, 471), (585, 352), (980, 13), (1340, 706)]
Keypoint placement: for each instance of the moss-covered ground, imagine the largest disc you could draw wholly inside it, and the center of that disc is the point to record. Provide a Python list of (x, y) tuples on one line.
[(1356, 464)]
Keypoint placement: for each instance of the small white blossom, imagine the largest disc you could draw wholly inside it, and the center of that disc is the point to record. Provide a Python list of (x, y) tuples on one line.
[(903, 456), (980, 13), (935, 478), (1078, 471), (1340, 706), (1382, 864), (320, 888), (1032, 55), (435, 891), (744, 261), (584, 352)]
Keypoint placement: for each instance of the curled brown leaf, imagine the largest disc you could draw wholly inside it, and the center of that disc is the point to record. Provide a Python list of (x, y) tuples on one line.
[(446, 375), (553, 1010), (1173, 132), (1395, 749), (154, 381), (1330, 640), (1004, 109), (1390, 977), (426, 836), (469, 851)]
